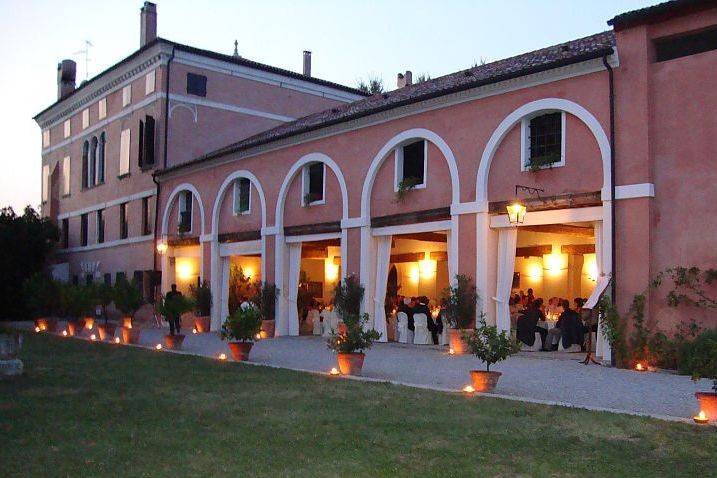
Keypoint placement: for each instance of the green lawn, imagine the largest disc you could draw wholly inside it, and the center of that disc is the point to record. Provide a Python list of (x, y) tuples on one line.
[(89, 409)]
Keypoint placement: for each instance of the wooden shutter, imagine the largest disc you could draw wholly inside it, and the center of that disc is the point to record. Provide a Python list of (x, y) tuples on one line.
[(148, 156)]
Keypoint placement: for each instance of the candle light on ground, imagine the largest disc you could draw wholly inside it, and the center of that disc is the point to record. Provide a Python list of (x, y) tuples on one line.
[(334, 371), (701, 417), (64, 333), (158, 346), (37, 329), (93, 337), (258, 336), (222, 356), (469, 389), (451, 352), (640, 367), (117, 340), (194, 331)]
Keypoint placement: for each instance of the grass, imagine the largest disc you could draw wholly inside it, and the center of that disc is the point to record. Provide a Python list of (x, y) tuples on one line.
[(90, 409)]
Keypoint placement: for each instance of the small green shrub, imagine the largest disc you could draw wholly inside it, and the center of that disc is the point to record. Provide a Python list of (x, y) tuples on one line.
[(202, 296), (242, 325), (174, 306), (461, 300), (489, 345), (127, 296), (348, 295), (42, 295), (265, 299), (355, 339), (698, 358)]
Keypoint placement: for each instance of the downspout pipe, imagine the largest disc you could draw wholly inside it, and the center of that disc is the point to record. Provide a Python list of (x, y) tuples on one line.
[(164, 161), (613, 259)]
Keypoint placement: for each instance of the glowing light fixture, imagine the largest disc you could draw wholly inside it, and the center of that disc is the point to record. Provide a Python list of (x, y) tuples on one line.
[(334, 371), (451, 352), (535, 271), (184, 268), (222, 356), (517, 209), (37, 329), (93, 337), (469, 389), (701, 417), (158, 346), (194, 331), (64, 333), (640, 367), (258, 336), (554, 263), (162, 247), (592, 271), (117, 340), (331, 270), (427, 268)]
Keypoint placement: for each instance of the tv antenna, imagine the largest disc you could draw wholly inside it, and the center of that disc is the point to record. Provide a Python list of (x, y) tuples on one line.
[(86, 52)]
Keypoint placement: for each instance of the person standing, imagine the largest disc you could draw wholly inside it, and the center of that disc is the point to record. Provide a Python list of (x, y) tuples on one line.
[(173, 318)]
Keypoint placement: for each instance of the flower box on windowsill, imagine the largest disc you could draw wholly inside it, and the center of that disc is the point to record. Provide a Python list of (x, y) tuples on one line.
[(537, 163), (312, 200)]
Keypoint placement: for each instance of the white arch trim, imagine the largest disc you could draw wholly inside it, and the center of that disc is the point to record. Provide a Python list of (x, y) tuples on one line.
[(177, 190), (310, 158), (222, 192), (416, 133), (544, 104)]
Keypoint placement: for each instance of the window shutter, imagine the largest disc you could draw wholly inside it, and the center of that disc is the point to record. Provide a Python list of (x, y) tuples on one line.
[(85, 152), (140, 156), (148, 156), (66, 175), (124, 152)]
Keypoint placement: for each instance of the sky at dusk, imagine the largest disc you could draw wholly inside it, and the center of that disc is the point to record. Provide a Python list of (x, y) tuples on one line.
[(349, 41)]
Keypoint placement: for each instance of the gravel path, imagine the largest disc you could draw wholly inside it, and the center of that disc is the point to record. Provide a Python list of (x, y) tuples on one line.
[(527, 376)]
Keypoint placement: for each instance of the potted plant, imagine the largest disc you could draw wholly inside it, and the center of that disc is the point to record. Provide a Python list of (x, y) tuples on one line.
[(80, 305), (698, 358), (104, 296), (460, 310), (265, 300), (202, 296), (348, 295), (68, 303), (128, 299), (240, 328), (41, 295), (405, 186), (350, 343), (174, 306), (491, 347)]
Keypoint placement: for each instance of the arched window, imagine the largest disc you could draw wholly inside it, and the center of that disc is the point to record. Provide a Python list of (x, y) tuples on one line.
[(85, 165), (101, 159), (92, 170)]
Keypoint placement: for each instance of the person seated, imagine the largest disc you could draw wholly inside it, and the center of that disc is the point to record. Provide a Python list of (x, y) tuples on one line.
[(570, 328), (527, 324), (422, 308), (552, 309), (407, 308)]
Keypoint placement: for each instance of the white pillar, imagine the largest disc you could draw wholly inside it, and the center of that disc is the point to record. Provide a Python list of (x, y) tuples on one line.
[(282, 323), (215, 281)]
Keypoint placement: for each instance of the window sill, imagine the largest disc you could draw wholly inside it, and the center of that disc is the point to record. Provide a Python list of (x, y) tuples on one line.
[(528, 168), (122, 176), (65, 196), (242, 213), (147, 168), (315, 203), (93, 187)]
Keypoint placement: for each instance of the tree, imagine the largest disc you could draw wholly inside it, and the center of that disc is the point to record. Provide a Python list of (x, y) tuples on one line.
[(26, 242), (423, 77), (373, 86)]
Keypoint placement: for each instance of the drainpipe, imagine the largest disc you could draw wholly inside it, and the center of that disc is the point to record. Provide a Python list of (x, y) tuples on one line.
[(611, 82), (154, 178)]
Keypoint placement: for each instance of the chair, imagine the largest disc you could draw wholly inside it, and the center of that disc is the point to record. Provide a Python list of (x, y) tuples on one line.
[(537, 345), (421, 334), (444, 340), (326, 324), (314, 319), (402, 328)]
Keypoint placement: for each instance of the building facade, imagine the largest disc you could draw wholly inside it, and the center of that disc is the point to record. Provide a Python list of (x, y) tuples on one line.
[(608, 139)]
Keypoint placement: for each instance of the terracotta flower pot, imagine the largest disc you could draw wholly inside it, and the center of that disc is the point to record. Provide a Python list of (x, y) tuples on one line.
[(240, 350), (268, 327), (456, 342), (130, 335), (89, 323), (107, 331), (708, 404), (127, 322), (484, 381), (74, 327), (350, 363), (46, 324), (202, 324), (173, 342)]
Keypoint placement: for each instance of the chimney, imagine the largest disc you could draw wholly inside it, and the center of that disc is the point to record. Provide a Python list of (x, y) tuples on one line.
[(404, 79), (147, 23), (307, 63), (66, 70)]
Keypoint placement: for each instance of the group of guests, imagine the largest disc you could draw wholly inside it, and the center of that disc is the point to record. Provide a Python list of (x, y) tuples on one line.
[(529, 312), (420, 305)]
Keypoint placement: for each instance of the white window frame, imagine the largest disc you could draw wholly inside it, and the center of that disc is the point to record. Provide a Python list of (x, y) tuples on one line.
[(149, 82), (235, 199), (102, 108), (127, 95), (525, 140), (46, 138), (305, 185), (66, 162), (398, 164), (182, 208), (67, 128), (85, 118), (125, 148)]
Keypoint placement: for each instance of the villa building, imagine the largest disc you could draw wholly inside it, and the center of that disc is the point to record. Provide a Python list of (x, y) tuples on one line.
[(608, 140)]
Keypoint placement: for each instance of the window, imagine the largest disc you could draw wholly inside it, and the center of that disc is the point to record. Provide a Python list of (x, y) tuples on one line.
[(66, 176), (124, 152), (65, 233), (196, 84), (149, 81), (146, 225), (67, 128), (242, 196), (108, 278), (685, 45), (185, 212), (45, 182), (411, 165), (83, 229), (543, 141), (313, 184), (92, 164), (146, 142), (85, 164), (100, 165), (85, 118), (124, 227), (100, 226), (126, 95), (46, 138), (120, 276), (102, 108)]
